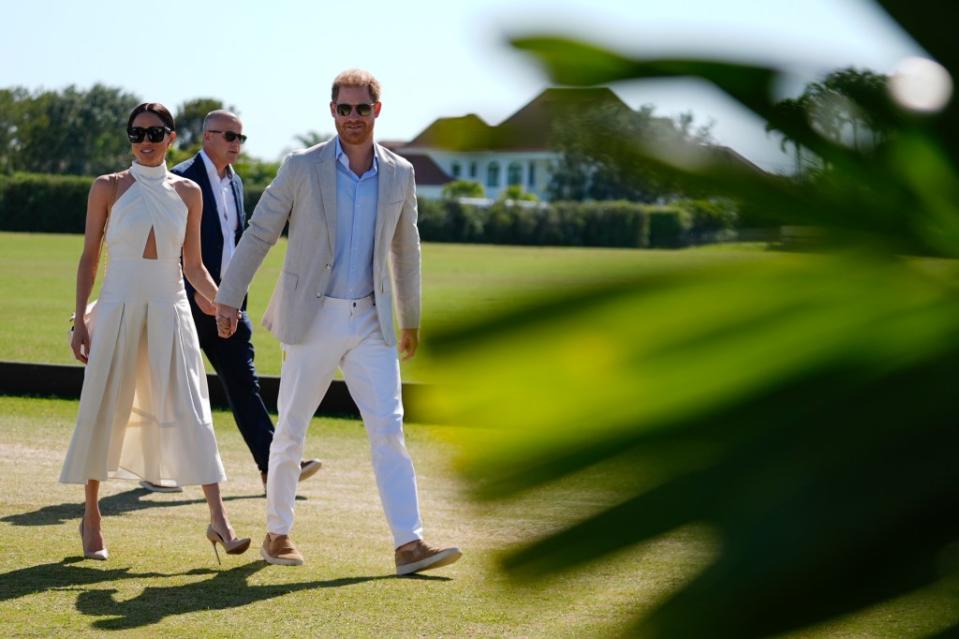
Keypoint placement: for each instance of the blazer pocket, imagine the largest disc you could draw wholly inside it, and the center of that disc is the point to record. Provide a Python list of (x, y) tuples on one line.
[(290, 280)]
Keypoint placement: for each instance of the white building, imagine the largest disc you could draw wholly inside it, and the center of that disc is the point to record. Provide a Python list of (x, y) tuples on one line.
[(518, 151)]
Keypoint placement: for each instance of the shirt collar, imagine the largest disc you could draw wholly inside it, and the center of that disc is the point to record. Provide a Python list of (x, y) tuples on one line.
[(343, 159), (211, 168)]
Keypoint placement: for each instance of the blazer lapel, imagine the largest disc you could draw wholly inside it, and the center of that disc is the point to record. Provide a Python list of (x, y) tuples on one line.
[(200, 177), (384, 195), (326, 176), (238, 202), (211, 235)]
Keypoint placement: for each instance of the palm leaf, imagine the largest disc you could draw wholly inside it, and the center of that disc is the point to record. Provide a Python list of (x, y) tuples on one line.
[(799, 407)]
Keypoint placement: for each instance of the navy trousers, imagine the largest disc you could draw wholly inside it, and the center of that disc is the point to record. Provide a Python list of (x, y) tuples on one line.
[(232, 359)]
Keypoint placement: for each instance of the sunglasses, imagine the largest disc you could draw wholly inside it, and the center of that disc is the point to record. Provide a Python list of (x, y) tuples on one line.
[(230, 136), (151, 133), (362, 110)]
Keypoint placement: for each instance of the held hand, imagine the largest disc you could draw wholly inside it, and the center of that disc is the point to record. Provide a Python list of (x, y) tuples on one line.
[(80, 343), (227, 318), (205, 305), (409, 340)]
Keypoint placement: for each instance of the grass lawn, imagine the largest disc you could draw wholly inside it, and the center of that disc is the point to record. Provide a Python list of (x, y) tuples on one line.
[(162, 579), (39, 277)]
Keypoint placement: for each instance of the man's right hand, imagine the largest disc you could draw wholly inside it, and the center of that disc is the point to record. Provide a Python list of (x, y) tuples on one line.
[(227, 318), (205, 305)]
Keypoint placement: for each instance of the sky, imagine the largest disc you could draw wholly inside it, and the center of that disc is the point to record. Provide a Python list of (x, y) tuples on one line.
[(274, 61)]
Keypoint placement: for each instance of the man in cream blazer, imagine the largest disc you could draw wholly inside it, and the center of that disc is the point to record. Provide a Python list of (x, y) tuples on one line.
[(351, 209)]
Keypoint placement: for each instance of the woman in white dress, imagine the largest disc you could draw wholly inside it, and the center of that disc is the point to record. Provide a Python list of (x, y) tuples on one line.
[(144, 408)]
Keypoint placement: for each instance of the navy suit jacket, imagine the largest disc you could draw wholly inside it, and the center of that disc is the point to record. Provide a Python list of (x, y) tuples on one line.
[(211, 235)]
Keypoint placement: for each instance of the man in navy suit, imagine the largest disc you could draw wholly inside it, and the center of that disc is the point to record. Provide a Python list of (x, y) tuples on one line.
[(222, 225)]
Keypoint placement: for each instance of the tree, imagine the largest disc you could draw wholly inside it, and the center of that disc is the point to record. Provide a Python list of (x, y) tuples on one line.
[(791, 111), (11, 103), (312, 138), (516, 193), (255, 172), (593, 166), (848, 107), (462, 188), (189, 121), (73, 131), (857, 100)]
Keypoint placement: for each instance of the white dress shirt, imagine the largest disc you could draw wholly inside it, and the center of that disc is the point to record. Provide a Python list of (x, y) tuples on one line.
[(225, 207)]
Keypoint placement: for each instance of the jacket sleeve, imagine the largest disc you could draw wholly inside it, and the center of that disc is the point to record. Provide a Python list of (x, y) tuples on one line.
[(269, 218), (405, 255)]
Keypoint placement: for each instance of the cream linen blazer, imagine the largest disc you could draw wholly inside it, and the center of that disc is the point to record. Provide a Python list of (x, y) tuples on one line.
[(303, 194)]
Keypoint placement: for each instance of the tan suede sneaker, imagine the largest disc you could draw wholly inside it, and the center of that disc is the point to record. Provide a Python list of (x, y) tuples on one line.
[(280, 551), (308, 468), (421, 556)]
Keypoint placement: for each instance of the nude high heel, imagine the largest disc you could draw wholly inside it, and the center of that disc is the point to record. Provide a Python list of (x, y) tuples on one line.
[(99, 555), (236, 546)]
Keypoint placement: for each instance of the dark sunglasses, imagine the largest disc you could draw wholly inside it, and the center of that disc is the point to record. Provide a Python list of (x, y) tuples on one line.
[(231, 136), (151, 133), (362, 110)]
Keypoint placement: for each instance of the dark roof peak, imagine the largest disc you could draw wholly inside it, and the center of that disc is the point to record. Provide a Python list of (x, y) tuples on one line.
[(529, 128)]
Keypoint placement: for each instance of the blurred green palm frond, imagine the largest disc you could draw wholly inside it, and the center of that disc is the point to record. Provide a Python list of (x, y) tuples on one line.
[(802, 406)]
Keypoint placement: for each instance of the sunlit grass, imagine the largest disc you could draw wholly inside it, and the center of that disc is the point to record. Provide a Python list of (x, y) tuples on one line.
[(162, 578), (38, 275)]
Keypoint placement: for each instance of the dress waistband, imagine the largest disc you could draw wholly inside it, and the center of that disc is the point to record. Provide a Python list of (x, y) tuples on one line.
[(146, 260)]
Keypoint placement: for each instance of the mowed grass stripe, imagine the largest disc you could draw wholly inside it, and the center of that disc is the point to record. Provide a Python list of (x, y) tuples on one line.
[(38, 278)]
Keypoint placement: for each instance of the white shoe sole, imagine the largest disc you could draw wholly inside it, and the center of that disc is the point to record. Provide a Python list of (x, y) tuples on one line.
[(440, 559), (270, 559), (160, 488)]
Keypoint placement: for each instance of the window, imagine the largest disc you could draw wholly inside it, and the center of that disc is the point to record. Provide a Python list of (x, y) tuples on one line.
[(492, 174), (457, 169), (473, 169), (514, 174), (531, 176)]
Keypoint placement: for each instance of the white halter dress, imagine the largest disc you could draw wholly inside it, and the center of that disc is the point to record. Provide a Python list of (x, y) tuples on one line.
[(144, 408)]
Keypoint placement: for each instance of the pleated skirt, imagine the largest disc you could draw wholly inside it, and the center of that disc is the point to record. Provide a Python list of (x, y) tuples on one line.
[(145, 407)]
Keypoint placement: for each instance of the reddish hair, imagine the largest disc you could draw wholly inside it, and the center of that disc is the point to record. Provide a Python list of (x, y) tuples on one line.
[(357, 78)]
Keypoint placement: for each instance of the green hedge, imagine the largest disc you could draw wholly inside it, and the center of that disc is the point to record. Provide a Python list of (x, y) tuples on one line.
[(57, 204), (622, 224), (43, 203), (251, 195)]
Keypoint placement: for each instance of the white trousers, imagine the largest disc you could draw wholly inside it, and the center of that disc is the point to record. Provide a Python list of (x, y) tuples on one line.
[(345, 334)]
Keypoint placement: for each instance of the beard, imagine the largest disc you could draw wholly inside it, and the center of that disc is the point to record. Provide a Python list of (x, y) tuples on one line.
[(354, 132)]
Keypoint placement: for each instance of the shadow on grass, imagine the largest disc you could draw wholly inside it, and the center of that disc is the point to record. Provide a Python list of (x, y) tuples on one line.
[(117, 504), (64, 575), (226, 589)]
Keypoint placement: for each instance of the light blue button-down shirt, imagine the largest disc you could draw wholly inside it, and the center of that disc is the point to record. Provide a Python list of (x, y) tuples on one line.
[(356, 200)]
